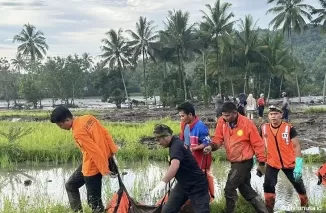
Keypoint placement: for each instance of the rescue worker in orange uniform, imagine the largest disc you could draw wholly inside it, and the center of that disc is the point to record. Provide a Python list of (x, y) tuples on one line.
[(321, 173), (242, 141), (283, 153), (195, 135), (97, 147)]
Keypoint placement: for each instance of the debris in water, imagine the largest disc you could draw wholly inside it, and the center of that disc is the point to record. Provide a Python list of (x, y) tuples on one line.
[(124, 173), (49, 180), (27, 182)]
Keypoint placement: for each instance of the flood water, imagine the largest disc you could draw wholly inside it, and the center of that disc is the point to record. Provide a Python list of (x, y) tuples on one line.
[(48, 183)]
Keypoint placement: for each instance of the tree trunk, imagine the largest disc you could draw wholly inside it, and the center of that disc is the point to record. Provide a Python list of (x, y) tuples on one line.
[(165, 74), (145, 82), (281, 85), (219, 86), (73, 94), (232, 87), (297, 80), (324, 90), (184, 82), (245, 83), (8, 104), (269, 90), (205, 66), (124, 84)]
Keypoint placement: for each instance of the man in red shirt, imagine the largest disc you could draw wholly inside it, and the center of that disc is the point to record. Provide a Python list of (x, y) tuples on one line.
[(242, 141), (261, 107)]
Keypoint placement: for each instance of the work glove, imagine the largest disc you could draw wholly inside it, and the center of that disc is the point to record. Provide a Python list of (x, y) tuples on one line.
[(158, 189), (114, 171), (297, 172), (207, 149), (254, 159)]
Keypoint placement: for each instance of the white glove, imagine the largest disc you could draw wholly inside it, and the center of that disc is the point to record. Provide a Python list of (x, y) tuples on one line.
[(158, 189)]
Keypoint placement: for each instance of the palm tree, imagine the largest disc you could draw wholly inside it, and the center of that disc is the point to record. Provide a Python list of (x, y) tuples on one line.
[(87, 60), (180, 35), (290, 14), (248, 42), (204, 40), (18, 62), (218, 23), (33, 43), (142, 42), (321, 19), (117, 53), (277, 57)]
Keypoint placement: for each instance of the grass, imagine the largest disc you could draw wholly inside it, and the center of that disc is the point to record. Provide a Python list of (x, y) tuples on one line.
[(44, 114), (45, 206), (45, 142), (315, 109), (48, 143)]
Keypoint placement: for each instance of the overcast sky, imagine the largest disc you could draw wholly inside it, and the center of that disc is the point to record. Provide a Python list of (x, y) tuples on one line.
[(77, 26)]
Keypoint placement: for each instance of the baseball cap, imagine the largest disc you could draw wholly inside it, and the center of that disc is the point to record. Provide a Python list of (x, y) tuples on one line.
[(273, 108)]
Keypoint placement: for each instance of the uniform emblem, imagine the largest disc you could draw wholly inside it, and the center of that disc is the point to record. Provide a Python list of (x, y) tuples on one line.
[(240, 132)]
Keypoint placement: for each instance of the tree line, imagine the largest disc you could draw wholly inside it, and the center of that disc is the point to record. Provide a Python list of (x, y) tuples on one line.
[(219, 54)]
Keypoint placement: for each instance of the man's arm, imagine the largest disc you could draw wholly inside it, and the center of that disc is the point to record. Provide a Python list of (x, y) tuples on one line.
[(218, 139), (204, 138), (93, 150), (172, 171), (257, 144), (297, 147)]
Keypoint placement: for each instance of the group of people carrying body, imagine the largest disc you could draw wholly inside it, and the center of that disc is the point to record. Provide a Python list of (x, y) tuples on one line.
[(274, 147)]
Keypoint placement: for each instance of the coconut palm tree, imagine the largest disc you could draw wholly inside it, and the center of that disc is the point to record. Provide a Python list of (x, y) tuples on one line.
[(321, 19), (33, 45), (218, 23), (117, 53), (290, 16), (143, 38), (180, 35), (277, 57), (18, 62), (247, 39)]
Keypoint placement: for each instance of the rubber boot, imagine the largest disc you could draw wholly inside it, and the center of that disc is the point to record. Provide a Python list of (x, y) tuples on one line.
[(230, 205), (303, 200), (258, 205), (75, 202), (270, 201)]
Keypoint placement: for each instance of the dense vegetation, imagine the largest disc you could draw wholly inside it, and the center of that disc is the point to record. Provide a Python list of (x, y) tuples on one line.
[(184, 60)]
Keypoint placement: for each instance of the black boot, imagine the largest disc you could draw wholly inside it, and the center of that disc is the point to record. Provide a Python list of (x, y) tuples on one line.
[(230, 205), (258, 205)]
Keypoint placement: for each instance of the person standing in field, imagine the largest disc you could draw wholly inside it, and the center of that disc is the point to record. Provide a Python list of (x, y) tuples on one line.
[(261, 107), (97, 147), (285, 107), (242, 141), (242, 104), (251, 107), (195, 135), (283, 153), (191, 181)]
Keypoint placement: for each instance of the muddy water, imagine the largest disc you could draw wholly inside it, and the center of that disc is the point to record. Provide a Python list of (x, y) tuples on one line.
[(48, 184)]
